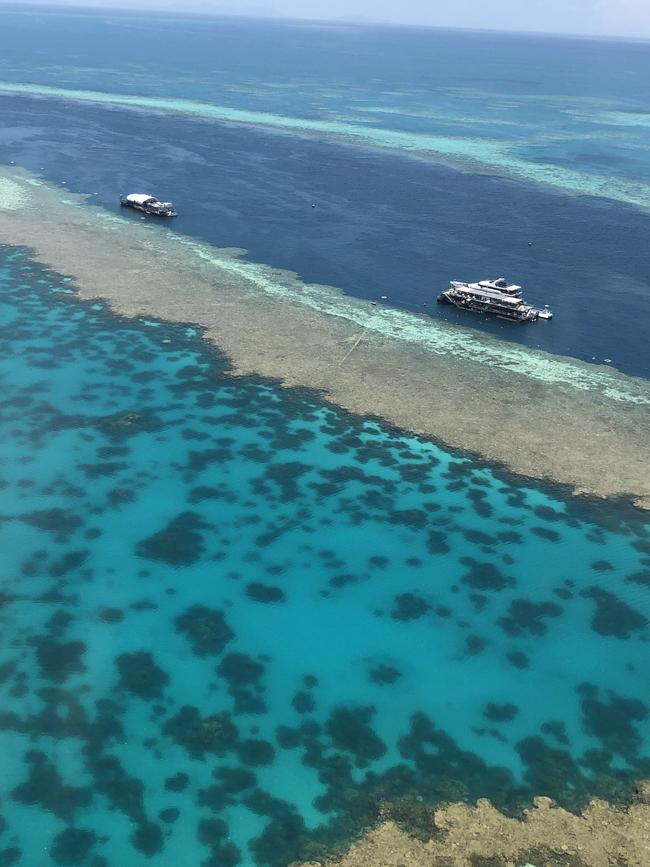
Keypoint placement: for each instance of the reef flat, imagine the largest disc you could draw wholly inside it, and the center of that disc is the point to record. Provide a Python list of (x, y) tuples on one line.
[(548, 836), (540, 415)]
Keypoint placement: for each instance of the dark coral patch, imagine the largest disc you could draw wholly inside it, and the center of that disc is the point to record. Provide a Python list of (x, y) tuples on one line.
[(613, 616), (510, 537), (45, 788), (68, 562), (243, 674), (478, 501), (282, 840), (211, 831), (143, 605), (234, 780), (58, 660), (415, 473), (642, 578), (518, 659), (102, 469), (303, 702), (123, 791), (217, 492), (214, 797), (556, 729), (59, 622), (198, 460), (437, 542), (613, 721), (475, 644), (72, 846), (140, 675), (111, 615), (288, 738), (409, 606), (350, 730), (525, 616), (177, 783), (120, 496), (479, 601), (343, 580), (239, 669), (255, 752), (485, 576), (546, 513), (264, 592), (478, 537), (147, 838), (127, 424), (216, 733), (384, 675), (500, 712), (180, 543), (551, 770), (286, 476), (169, 815), (546, 533), (416, 519), (57, 521), (226, 854), (206, 630), (602, 566)]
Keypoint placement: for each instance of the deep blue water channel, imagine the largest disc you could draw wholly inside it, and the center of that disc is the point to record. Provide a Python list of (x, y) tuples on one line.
[(371, 222)]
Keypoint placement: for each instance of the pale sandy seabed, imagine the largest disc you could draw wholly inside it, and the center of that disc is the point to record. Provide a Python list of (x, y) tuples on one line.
[(546, 836), (544, 416)]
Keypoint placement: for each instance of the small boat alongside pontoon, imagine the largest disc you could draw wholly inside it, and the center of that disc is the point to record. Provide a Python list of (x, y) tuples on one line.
[(148, 205), (496, 297)]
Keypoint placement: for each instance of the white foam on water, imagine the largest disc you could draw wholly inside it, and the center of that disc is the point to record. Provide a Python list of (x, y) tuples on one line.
[(12, 195)]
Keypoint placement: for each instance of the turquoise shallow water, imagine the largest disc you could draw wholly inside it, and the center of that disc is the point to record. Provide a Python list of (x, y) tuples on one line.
[(234, 619)]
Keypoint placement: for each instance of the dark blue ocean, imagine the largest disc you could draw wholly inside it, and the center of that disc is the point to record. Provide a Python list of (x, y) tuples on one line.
[(519, 125), (234, 619)]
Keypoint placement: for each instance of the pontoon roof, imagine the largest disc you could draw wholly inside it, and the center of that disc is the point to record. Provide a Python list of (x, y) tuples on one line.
[(140, 198), (482, 292), (499, 284)]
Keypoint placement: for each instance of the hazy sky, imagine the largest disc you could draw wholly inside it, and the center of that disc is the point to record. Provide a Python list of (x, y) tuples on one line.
[(598, 17)]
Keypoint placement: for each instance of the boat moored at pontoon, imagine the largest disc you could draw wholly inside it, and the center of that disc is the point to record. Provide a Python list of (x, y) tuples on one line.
[(495, 297)]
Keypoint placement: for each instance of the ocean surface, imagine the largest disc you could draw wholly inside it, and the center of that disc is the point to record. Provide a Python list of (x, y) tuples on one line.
[(237, 624), (527, 155)]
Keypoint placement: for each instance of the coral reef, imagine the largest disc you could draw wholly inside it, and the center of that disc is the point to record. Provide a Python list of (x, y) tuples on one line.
[(479, 836), (205, 629)]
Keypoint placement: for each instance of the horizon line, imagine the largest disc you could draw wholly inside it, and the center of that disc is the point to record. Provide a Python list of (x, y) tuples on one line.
[(27, 6)]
